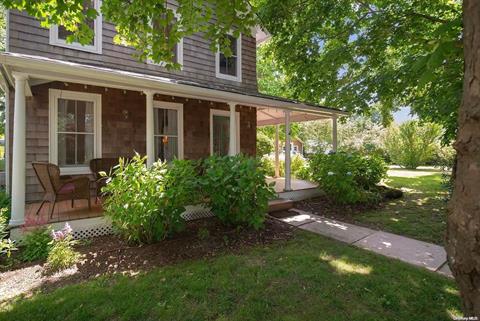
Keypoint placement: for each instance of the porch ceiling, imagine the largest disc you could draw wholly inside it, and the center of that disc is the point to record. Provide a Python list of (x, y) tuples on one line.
[(275, 116), (42, 68)]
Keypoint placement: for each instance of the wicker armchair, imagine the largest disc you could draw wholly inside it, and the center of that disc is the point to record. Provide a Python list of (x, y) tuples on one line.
[(58, 188)]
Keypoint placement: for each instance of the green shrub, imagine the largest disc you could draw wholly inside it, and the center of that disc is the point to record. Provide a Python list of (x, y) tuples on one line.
[(348, 178), (236, 189), (36, 244), (369, 170), (444, 156), (7, 246), (265, 144), (304, 172), (145, 204), (412, 144), (4, 204), (268, 165), (299, 166), (62, 255)]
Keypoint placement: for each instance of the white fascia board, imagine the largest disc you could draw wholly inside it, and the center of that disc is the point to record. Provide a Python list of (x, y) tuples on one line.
[(46, 68)]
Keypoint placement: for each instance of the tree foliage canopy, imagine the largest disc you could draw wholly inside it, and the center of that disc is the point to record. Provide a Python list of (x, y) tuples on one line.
[(357, 55), (133, 21)]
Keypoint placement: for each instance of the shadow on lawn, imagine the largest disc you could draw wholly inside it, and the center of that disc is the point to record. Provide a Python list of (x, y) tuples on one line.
[(308, 278), (111, 255)]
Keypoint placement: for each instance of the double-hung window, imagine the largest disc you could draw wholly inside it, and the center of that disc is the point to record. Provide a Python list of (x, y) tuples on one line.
[(168, 130), (178, 49), (230, 67), (75, 130), (220, 132), (58, 34)]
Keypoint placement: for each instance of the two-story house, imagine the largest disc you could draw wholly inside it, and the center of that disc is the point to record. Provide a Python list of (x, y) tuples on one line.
[(68, 104)]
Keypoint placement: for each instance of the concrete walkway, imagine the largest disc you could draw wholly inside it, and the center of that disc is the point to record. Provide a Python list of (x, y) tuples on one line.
[(430, 256)]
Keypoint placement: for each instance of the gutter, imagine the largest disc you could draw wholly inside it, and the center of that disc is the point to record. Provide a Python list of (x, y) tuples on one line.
[(49, 69)]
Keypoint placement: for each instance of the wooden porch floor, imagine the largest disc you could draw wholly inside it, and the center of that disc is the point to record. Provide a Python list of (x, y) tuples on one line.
[(63, 212), (297, 184)]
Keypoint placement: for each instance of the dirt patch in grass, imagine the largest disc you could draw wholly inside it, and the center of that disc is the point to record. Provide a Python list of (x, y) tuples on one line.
[(110, 254)]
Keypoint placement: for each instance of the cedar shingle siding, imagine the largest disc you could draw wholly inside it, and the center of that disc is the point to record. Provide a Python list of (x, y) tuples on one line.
[(27, 37), (125, 132), (124, 112)]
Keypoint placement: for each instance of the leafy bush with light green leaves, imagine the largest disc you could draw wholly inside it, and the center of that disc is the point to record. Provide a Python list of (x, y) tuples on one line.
[(412, 144), (299, 166), (4, 204), (145, 204), (36, 244), (7, 246), (348, 178), (265, 144), (236, 190)]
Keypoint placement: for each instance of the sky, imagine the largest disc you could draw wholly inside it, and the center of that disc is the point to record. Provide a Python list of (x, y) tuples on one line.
[(402, 116)]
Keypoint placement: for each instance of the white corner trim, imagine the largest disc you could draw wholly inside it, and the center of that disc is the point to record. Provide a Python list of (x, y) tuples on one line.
[(179, 108), (6, 147), (98, 36), (226, 113), (53, 96), (237, 78), (7, 32)]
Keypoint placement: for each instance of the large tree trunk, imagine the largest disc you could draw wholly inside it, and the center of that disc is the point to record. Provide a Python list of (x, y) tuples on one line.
[(463, 232)]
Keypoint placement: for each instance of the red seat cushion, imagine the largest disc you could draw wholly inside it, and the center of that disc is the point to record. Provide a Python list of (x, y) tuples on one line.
[(67, 188)]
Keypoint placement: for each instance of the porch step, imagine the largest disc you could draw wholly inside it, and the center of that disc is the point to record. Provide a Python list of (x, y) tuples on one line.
[(280, 204)]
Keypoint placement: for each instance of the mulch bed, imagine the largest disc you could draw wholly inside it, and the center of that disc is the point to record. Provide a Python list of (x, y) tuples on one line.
[(324, 206), (111, 254)]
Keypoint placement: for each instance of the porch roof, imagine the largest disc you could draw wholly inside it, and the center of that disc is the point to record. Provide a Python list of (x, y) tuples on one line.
[(275, 116), (42, 68)]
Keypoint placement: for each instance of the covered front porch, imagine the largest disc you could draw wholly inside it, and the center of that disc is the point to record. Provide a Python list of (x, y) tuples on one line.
[(125, 123), (64, 211), (295, 184)]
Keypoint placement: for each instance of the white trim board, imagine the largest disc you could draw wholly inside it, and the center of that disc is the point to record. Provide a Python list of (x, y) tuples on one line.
[(179, 108), (226, 113), (53, 96)]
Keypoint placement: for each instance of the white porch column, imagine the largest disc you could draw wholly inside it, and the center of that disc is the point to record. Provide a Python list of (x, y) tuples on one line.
[(277, 156), (288, 179), (232, 147), (334, 134), (150, 131), (19, 153)]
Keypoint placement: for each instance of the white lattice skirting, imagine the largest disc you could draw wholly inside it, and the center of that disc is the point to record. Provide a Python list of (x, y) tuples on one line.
[(99, 226)]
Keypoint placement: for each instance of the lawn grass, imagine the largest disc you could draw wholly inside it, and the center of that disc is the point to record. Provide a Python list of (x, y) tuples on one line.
[(307, 278), (420, 214)]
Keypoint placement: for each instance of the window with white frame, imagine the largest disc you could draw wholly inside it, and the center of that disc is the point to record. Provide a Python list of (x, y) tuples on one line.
[(230, 67), (58, 34), (75, 130), (168, 130), (178, 49), (220, 132)]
